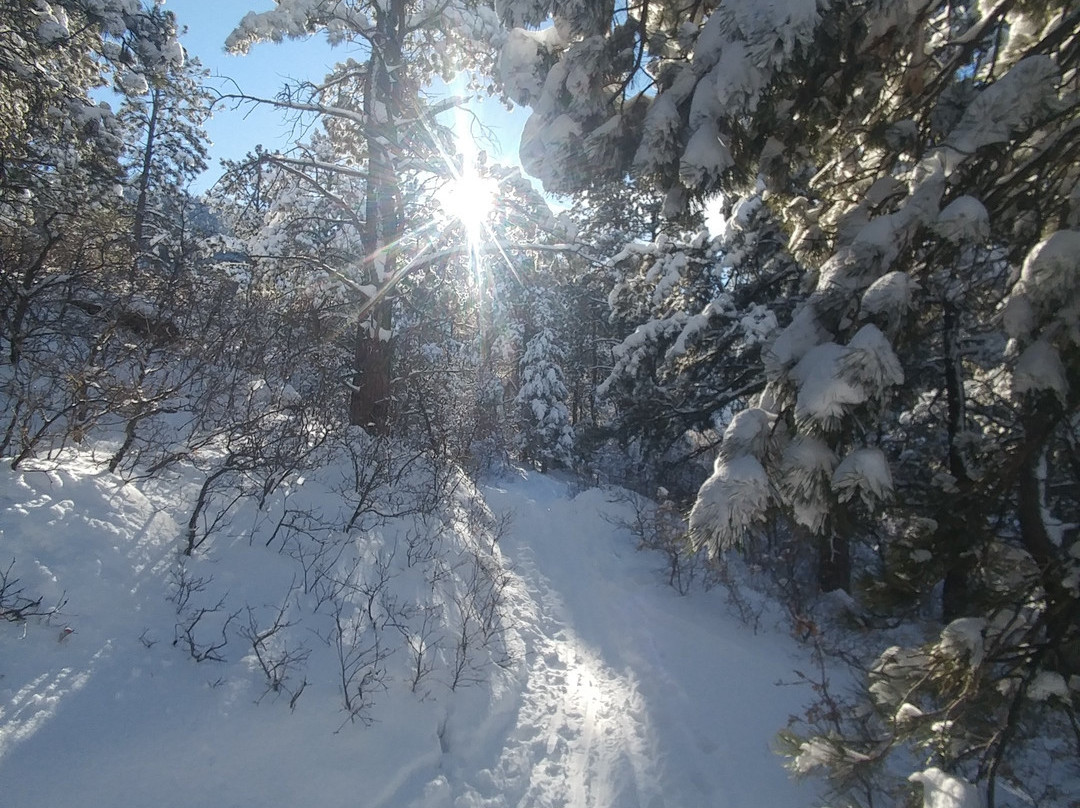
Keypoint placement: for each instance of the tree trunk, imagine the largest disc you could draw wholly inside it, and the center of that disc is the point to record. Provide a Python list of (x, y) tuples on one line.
[(369, 404), (142, 243), (1062, 614), (956, 593), (24, 291), (957, 534)]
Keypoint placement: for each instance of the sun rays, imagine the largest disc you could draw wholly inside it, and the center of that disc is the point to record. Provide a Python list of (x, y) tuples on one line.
[(469, 197)]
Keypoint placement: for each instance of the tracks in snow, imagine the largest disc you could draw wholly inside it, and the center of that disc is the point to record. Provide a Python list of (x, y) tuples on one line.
[(581, 737)]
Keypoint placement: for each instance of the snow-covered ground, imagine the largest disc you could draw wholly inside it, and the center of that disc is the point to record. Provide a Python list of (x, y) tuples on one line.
[(621, 694)]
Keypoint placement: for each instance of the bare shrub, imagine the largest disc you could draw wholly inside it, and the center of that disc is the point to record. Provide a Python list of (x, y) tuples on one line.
[(422, 543), (270, 645), (362, 609), (481, 623), (480, 628), (277, 440), (422, 636), (660, 527), (16, 606), (361, 658), (184, 585), (195, 624), (202, 630)]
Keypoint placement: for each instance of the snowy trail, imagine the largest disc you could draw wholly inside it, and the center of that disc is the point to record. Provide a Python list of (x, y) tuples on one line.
[(581, 736), (624, 702)]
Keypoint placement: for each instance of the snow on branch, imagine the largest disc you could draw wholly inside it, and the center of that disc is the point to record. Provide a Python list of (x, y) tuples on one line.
[(733, 499), (831, 379), (806, 479), (863, 473), (298, 19)]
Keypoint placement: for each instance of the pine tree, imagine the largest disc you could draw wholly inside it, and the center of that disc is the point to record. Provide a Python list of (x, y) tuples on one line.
[(919, 402), (62, 213), (375, 111), (696, 313), (166, 148), (547, 437)]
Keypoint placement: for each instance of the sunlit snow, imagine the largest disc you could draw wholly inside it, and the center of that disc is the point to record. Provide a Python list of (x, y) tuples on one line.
[(621, 694)]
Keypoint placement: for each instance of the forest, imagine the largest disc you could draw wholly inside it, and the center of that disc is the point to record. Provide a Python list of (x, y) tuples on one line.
[(854, 402)]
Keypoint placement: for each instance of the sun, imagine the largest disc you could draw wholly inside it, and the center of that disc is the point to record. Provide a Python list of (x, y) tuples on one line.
[(469, 197)]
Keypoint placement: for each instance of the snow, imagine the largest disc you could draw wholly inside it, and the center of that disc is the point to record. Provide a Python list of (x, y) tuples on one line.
[(1050, 268), (964, 638), (871, 360), (585, 62), (1047, 290), (660, 135), (620, 693), (54, 27), (941, 790), (734, 498), (758, 324), (694, 325), (891, 294), (824, 396), (1018, 315), (1002, 108), (832, 378), (843, 270), (519, 62), (807, 469), (1048, 685), (741, 46), (794, 342), (908, 713), (891, 674), (864, 472), (706, 157), (964, 219), (1040, 368), (296, 19), (880, 240), (748, 433), (667, 273), (543, 140), (632, 351), (813, 754), (480, 23)]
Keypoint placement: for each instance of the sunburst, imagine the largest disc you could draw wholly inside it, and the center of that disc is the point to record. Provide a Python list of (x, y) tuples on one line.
[(469, 197)]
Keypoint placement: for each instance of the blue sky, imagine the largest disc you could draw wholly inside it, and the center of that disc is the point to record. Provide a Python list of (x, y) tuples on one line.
[(236, 131)]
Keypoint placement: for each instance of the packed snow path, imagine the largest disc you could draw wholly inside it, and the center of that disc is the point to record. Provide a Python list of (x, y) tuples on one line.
[(634, 697), (622, 695)]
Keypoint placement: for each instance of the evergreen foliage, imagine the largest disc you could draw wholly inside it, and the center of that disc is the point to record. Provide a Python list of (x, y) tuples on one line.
[(547, 437), (909, 412), (866, 381)]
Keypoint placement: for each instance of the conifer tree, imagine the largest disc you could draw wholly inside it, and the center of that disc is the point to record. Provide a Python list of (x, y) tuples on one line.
[(547, 436), (165, 145), (921, 389), (375, 109), (62, 212)]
